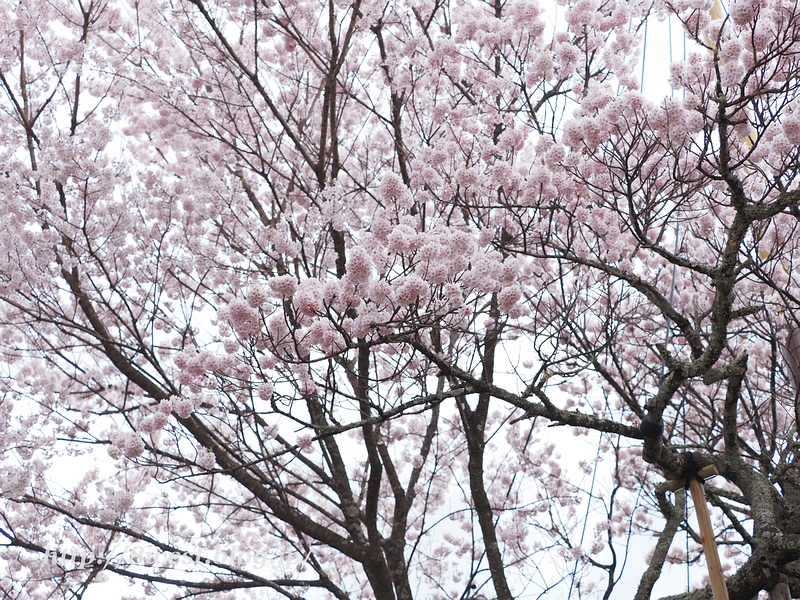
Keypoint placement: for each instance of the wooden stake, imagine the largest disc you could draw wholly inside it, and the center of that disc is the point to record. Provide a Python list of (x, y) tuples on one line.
[(718, 587)]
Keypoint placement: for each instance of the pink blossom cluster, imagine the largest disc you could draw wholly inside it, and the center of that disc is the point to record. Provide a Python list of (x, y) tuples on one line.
[(127, 443), (373, 285), (15, 482), (256, 296), (392, 189), (245, 319), (791, 124), (206, 458)]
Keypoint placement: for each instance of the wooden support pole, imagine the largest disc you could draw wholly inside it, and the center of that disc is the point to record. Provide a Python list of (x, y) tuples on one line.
[(718, 587), (780, 592), (693, 479), (716, 11)]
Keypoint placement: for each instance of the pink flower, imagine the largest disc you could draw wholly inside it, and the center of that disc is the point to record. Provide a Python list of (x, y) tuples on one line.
[(277, 329), (14, 482), (402, 239), (462, 243), (467, 177), (410, 290), (244, 319), (268, 361), (131, 444), (453, 294), (791, 128), (182, 407), (359, 266), (742, 11), (436, 272), (305, 443), (430, 251), (508, 298), (285, 285), (265, 391), (120, 501), (256, 296), (308, 297), (381, 226), (147, 424), (392, 188), (206, 458), (159, 420)]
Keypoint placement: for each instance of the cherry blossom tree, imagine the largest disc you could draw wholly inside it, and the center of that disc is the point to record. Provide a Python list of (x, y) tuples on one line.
[(292, 295)]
